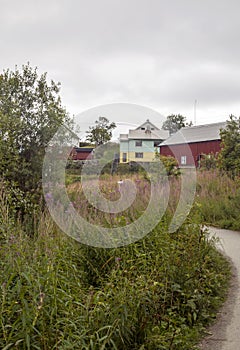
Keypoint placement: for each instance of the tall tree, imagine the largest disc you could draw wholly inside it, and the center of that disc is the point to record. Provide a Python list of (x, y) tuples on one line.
[(30, 114), (229, 156), (101, 132), (174, 122)]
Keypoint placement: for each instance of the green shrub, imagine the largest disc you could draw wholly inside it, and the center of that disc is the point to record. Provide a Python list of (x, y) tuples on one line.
[(170, 164), (208, 161)]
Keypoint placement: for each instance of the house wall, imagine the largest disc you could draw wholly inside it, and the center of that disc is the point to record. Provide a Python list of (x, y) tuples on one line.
[(124, 149), (147, 146), (81, 155), (130, 157), (123, 146), (192, 151)]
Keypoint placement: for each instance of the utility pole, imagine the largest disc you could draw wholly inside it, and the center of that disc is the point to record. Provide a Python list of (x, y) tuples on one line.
[(195, 112)]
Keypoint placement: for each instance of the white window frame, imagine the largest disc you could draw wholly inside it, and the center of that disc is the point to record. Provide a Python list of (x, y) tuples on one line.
[(183, 160)]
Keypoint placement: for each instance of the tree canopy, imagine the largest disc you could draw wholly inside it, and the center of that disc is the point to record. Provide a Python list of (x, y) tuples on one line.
[(229, 156), (174, 122), (30, 114), (101, 132)]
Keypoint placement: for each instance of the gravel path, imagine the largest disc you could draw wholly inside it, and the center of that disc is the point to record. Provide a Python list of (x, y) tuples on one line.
[(225, 333)]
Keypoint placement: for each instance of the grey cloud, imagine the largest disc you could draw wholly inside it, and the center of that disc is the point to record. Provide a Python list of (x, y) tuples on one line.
[(163, 54)]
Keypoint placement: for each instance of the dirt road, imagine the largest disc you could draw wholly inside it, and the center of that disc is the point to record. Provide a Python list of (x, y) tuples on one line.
[(225, 333)]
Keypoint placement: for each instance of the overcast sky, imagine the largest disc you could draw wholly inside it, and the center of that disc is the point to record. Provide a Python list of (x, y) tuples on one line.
[(160, 54)]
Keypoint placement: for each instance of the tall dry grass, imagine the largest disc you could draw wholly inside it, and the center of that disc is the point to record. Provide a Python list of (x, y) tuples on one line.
[(56, 293), (219, 197)]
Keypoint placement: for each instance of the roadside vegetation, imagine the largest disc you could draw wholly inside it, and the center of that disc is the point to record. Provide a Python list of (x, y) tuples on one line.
[(219, 180), (219, 197), (157, 293)]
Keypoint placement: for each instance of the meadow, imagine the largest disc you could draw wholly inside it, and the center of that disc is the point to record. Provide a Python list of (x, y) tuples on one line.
[(157, 293)]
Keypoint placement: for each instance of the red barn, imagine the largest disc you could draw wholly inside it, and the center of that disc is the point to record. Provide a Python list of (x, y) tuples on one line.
[(188, 144), (82, 153)]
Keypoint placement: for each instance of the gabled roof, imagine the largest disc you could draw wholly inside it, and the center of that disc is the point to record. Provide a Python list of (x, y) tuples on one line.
[(199, 133), (147, 125), (146, 131)]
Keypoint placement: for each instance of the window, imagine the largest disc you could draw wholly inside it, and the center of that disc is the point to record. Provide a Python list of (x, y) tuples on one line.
[(124, 157), (138, 143), (138, 155), (183, 160), (156, 143), (142, 128)]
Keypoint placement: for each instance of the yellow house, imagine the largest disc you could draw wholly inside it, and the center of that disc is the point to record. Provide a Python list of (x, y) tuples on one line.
[(140, 144)]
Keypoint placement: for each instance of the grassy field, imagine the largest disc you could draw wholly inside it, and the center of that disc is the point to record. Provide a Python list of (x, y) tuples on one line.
[(157, 293)]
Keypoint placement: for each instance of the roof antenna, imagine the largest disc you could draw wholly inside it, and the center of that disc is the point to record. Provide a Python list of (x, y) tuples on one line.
[(195, 112)]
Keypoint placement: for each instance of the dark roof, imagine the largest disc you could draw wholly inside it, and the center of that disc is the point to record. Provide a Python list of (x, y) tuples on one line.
[(83, 149), (199, 133)]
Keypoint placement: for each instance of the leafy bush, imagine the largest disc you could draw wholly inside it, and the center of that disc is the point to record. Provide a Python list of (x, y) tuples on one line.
[(229, 156), (208, 161), (170, 164)]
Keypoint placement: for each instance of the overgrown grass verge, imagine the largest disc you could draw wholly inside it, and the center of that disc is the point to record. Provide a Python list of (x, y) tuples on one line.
[(158, 293), (219, 199)]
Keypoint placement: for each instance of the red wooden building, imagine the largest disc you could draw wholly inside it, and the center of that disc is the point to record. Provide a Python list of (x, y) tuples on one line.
[(188, 144), (82, 153)]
